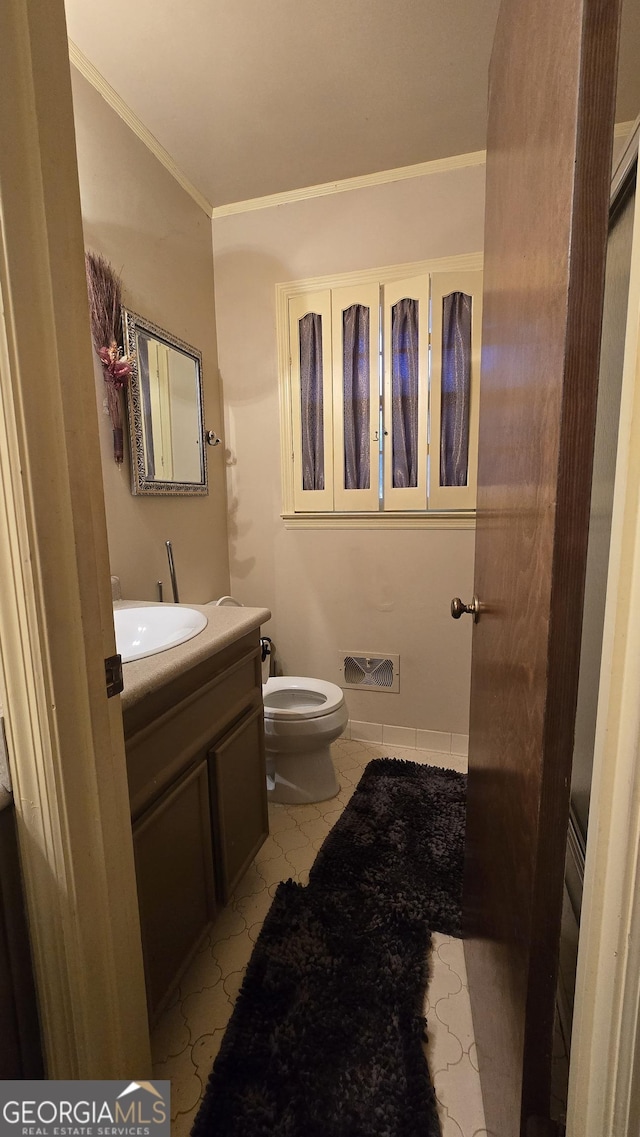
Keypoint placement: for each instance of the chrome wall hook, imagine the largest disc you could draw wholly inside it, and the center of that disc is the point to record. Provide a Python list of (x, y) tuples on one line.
[(212, 438)]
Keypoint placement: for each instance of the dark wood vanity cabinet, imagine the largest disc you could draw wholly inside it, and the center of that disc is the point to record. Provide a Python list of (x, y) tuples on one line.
[(197, 784)]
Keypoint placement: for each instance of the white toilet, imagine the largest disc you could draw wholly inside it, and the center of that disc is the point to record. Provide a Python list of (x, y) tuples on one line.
[(302, 717)]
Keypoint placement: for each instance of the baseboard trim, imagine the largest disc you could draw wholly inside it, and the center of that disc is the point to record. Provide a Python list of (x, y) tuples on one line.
[(409, 738)]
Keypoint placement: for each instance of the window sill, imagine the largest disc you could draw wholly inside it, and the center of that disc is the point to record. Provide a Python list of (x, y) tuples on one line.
[(460, 519)]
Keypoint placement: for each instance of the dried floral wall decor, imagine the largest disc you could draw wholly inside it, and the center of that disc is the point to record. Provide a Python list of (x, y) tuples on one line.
[(104, 288)]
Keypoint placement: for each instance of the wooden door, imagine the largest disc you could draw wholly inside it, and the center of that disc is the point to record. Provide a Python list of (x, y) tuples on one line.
[(551, 107)]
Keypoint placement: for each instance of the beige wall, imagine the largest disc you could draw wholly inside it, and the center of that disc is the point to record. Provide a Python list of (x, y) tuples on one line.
[(159, 241), (353, 589)]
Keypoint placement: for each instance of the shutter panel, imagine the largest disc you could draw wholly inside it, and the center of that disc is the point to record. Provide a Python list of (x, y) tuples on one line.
[(311, 400), (356, 397), (456, 326), (406, 371)]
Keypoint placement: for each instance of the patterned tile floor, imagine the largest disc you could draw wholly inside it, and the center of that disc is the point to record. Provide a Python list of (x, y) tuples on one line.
[(186, 1039)]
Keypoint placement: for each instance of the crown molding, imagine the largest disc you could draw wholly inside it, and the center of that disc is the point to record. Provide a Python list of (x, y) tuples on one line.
[(111, 96), (402, 173), (287, 197)]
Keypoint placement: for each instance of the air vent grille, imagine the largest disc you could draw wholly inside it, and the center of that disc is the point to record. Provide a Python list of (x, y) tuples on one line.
[(371, 671)]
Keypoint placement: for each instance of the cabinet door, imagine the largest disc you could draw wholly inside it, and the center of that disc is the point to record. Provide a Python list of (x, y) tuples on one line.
[(239, 800), (176, 891)]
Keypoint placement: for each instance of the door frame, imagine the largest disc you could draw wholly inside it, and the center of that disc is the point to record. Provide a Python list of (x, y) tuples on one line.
[(605, 1054), (64, 736)]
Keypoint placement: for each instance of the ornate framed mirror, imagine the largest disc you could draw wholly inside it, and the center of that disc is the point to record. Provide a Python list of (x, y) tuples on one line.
[(165, 410)]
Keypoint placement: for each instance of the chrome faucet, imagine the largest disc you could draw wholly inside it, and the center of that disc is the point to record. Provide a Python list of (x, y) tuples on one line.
[(172, 573)]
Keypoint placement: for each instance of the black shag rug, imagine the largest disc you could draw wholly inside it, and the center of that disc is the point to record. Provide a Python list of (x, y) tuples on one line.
[(326, 1036)]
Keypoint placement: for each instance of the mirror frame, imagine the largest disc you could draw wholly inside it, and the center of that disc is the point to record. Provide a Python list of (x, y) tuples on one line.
[(140, 483)]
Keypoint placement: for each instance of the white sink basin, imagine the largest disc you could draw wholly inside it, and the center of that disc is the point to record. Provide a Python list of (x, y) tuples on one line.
[(146, 631)]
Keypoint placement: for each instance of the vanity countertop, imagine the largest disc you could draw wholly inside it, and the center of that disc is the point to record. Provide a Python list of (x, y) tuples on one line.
[(225, 625)]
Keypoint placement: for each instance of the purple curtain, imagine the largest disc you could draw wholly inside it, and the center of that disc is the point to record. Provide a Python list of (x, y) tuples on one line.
[(355, 370), (456, 386), (311, 398), (404, 393)]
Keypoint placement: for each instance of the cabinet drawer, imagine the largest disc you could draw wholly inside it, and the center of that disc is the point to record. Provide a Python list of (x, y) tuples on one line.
[(176, 889), (158, 753), (239, 800)]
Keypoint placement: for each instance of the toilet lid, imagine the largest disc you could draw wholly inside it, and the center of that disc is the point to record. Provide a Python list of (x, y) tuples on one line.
[(295, 696)]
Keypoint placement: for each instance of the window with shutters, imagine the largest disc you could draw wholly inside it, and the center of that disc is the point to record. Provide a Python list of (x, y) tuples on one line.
[(379, 390)]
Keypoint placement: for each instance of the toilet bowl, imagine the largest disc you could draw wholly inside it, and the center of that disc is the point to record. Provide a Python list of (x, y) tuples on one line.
[(302, 717)]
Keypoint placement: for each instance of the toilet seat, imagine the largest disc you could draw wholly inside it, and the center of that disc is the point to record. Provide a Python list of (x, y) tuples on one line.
[(299, 697)]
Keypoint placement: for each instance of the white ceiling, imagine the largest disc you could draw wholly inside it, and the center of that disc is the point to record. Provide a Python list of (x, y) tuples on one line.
[(253, 97)]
